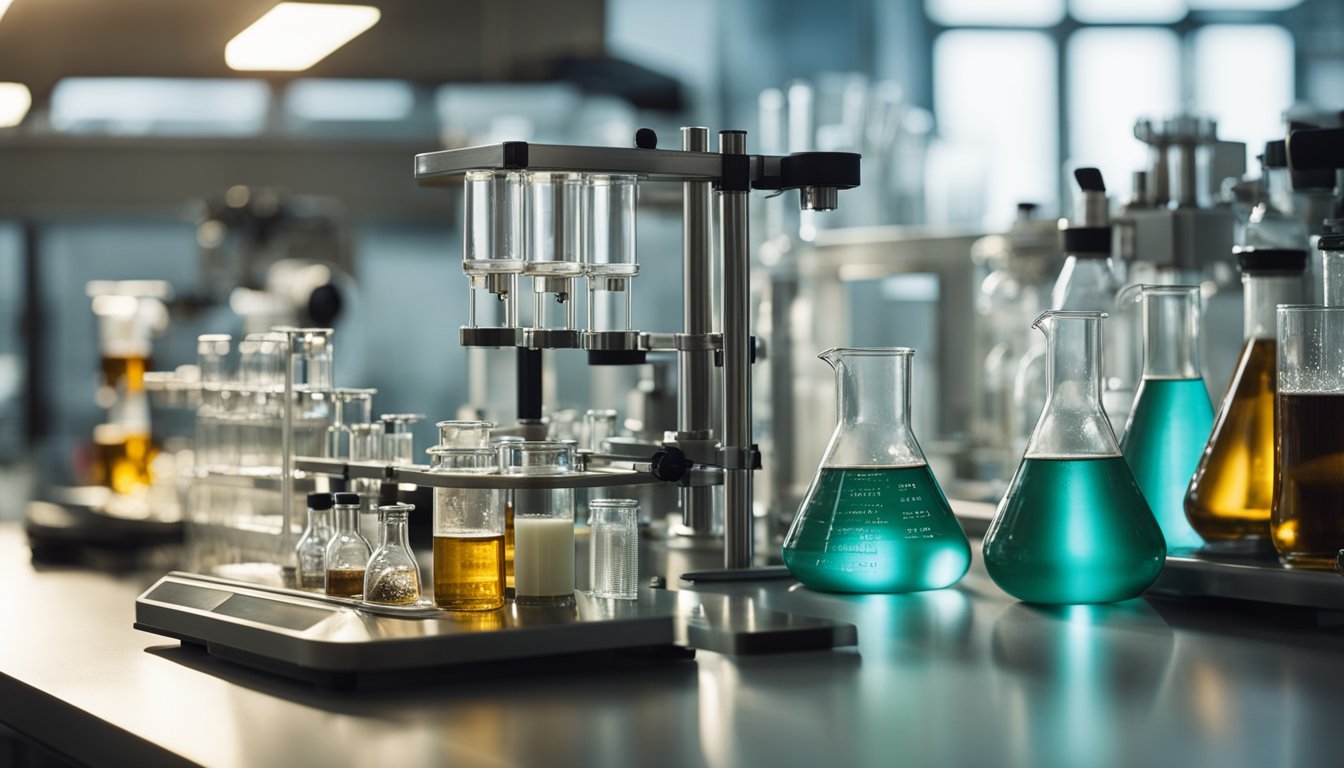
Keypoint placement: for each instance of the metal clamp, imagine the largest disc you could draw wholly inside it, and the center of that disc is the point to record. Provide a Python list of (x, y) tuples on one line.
[(681, 342), (482, 336), (740, 458)]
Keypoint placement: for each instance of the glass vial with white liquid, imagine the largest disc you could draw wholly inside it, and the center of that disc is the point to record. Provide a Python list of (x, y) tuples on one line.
[(543, 524)]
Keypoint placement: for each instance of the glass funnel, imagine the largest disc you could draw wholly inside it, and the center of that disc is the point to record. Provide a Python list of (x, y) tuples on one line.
[(1074, 526), (874, 518), (1230, 495), (1172, 415)]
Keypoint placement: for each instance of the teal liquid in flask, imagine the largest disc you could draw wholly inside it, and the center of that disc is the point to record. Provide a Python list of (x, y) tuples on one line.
[(1074, 526), (874, 518), (1172, 415)]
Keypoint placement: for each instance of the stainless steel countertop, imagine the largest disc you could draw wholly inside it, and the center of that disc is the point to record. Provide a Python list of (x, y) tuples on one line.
[(962, 677)]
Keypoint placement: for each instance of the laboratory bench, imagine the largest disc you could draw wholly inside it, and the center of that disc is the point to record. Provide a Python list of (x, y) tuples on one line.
[(964, 676)]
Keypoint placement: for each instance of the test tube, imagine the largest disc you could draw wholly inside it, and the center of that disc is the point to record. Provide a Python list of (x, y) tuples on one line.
[(543, 524), (468, 534), (352, 406), (492, 255), (212, 444), (611, 262), (613, 565), (459, 433)]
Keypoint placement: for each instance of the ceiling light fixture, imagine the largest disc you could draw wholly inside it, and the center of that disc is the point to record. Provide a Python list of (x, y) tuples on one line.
[(15, 99), (294, 36), (4, 6)]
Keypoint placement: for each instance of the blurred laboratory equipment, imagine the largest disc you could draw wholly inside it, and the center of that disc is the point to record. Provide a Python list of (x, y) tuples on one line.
[(310, 553), (129, 314), (1172, 415), (348, 551), (543, 523), (1307, 517), (1230, 494), (468, 533), (874, 519), (1074, 526), (391, 576), (1272, 223), (1330, 246), (613, 561), (1021, 265)]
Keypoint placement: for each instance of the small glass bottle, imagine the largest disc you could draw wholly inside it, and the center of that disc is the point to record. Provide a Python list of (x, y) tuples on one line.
[(348, 552), (392, 576), (468, 533), (613, 564), (1231, 493), (1172, 415), (311, 551), (1074, 526), (543, 524)]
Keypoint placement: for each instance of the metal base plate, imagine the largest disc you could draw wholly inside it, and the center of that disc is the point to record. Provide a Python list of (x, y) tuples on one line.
[(1258, 577)]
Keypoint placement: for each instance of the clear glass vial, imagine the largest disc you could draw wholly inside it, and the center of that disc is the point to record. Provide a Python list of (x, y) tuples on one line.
[(613, 564), (311, 551)]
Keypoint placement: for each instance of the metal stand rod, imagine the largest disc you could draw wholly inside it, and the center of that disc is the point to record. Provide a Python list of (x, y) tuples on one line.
[(737, 443), (696, 367)]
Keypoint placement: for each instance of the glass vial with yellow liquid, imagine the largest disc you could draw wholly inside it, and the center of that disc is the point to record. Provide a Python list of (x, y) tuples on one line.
[(468, 533), (1172, 415), (874, 518), (1074, 526), (123, 448), (348, 552), (1231, 493)]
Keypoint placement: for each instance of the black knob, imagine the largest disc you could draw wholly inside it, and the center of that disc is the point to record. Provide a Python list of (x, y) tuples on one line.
[(645, 138), (669, 464)]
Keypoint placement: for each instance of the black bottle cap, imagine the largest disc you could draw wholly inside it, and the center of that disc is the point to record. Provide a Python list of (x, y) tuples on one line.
[(1276, 154), (347, 499), (320, 501), (1261, 260), (645, 138), (1087, 241), (1333, 237)]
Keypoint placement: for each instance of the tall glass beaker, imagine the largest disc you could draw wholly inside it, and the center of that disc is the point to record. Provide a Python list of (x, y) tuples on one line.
[(1307, 518), (874, 518), (1230, 495), (1074, 526), (1172, 415)]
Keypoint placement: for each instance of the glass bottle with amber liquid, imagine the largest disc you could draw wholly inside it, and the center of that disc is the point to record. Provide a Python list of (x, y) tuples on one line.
[(1230, 495), (468, 533), (348, 552)]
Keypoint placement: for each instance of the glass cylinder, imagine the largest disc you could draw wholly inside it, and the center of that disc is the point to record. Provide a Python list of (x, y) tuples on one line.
[(543, 523), (613, 565), (350, 406), (312, 358), (348, 552), (598, 425), (464, 434), (392, 576), (259, 411), (612, 249), (1331, 246), (311, 551), (214, 448), (398, 440), (468, 533), (493, 249), (1307, 517)]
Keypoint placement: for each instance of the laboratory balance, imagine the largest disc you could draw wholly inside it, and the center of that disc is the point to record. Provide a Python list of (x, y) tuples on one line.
[(259, 620)]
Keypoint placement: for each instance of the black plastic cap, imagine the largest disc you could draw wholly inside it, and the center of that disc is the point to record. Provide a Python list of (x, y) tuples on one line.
[(1089, 179), (324, 305), (1087, 241), (320, 501), (347, 499), (1276, 154), (1262, 260), (645, 138)]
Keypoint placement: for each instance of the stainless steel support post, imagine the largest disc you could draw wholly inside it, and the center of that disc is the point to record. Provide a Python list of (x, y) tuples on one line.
[(696, 368), (738, 520)]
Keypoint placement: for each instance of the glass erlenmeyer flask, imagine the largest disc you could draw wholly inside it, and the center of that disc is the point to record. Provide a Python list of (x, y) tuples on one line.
[(874, 518), (1233, 487), (1074, 526), (1172, 415)]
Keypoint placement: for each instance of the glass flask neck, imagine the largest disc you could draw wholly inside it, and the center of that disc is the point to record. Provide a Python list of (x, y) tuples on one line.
[(1086, 283), (347, 518), (1332, 267), (872, 408), (319, 519), (395, 530), (1170, 331), (1263, 294), (1073, 423)]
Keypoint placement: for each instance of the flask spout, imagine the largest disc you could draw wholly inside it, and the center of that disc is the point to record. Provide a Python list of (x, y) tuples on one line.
[(1073, 422), (872, 407)]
